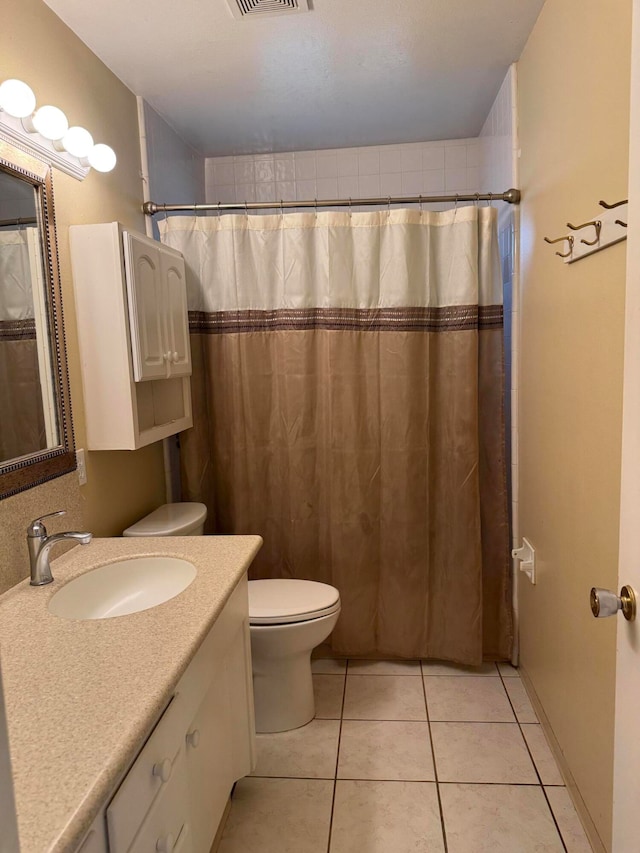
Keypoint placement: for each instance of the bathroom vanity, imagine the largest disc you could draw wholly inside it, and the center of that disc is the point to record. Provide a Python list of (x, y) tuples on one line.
[(127, 734)]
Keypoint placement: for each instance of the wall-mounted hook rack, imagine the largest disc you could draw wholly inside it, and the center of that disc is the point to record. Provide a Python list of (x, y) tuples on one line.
[(570, 240), (610, 228)]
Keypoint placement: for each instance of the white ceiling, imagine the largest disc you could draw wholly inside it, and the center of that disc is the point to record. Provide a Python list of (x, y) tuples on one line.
[(346, 73)]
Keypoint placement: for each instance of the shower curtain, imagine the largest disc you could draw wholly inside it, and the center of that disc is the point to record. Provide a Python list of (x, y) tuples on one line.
[(348, 407), (22, 425)]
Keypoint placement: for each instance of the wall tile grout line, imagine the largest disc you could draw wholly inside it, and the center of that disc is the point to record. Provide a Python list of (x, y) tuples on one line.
[(435, 766), (335, 778), (535, 766)]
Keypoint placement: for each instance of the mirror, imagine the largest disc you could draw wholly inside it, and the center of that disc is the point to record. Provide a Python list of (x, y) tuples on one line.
[(36, 441)]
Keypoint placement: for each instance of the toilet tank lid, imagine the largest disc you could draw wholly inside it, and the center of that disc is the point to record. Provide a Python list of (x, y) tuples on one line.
[(280, 599), (177, 519)]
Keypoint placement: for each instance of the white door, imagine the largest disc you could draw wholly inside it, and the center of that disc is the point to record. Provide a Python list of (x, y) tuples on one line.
[(145, 296), (176, 314), (626, 779)]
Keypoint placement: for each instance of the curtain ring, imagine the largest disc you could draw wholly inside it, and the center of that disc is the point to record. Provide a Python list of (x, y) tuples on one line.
[(315, 207), (490, 202), (420, 197), (349, 207), (477, 199), (218, 209), (281, 208), (246, 210)]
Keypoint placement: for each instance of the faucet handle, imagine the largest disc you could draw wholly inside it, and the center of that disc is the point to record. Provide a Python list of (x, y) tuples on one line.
[(37, 528)]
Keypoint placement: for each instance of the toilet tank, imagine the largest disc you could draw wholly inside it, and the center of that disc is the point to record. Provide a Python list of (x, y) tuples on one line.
[(179, 519)]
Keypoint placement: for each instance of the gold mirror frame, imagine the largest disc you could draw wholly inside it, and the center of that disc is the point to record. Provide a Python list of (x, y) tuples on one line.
[(17, 475)]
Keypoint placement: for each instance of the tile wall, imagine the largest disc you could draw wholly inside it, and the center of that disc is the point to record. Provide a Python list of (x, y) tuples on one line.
[(448, 166)]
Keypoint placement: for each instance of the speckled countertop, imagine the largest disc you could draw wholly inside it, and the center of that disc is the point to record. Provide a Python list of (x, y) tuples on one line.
[(81, 695)]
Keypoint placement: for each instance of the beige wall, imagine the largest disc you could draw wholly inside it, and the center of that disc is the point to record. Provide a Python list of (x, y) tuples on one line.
[(38, 48), (574, 126)]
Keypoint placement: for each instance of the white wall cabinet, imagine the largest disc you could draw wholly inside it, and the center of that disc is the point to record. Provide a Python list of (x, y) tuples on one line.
[(131, 307), (174, 794)]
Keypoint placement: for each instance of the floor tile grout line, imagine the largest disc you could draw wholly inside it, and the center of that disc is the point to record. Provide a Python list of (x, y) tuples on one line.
[(433, 758), (535, 766), (408, 781), (335, 777)]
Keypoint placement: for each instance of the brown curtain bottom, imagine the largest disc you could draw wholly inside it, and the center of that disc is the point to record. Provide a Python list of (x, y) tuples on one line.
[(370, 460), (22, 428)]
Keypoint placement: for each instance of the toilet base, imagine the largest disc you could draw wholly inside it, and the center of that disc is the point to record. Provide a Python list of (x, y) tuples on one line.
[(282, 681), (283, 695)]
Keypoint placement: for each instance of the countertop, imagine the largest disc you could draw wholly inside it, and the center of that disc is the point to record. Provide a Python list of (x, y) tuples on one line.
[(82, 695)]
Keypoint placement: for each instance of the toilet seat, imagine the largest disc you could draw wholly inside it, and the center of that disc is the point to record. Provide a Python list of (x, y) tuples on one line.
[(285, 601)]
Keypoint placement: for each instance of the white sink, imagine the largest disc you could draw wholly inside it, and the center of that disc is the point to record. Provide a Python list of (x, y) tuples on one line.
[(127, 586)]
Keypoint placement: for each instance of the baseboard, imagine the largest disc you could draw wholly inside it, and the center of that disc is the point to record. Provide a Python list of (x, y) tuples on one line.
[(572, 788), (223, 823)]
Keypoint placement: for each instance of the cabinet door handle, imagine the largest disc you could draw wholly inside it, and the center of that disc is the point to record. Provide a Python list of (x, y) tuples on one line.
[(175, 358), (166, 356), (162, 769), (193, 738), (165, 844)]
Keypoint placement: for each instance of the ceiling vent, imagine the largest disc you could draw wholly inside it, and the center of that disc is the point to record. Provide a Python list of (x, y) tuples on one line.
[(255, 8)]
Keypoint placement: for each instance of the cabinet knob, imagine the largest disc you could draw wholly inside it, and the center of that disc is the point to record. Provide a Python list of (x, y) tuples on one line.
[(193, 738), (165, 844), (162, 769)]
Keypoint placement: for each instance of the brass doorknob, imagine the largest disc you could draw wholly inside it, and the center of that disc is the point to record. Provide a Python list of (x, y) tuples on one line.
[(604, 602)]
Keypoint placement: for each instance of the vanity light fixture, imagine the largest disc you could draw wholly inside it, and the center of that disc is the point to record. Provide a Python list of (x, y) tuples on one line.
[(77, 141), (102, 158), (17, 99), (46, 133), (48, 121)]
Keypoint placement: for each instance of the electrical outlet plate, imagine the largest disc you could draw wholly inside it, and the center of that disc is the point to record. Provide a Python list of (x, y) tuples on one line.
[(81, 467)]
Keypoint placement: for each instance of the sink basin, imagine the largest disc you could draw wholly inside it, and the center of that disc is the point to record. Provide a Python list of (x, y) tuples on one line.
[(127, 586)]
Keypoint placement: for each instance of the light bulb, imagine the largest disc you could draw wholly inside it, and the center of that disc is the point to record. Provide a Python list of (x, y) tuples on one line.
[(50, 122), (77, 141), (17, 99), (102, 158)]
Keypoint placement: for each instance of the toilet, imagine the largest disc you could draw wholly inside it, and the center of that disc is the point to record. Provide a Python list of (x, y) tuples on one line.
[(180, 519), (288, 619)]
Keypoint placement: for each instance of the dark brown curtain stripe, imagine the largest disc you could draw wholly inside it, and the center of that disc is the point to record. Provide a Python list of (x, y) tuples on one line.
[(17, 330), (456, 318)]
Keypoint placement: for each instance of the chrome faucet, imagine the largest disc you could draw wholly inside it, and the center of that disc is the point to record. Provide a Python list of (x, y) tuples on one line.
[(40, 544)]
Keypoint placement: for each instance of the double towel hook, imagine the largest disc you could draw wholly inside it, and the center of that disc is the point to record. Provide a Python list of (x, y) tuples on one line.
[(597, 224), (570, 241)]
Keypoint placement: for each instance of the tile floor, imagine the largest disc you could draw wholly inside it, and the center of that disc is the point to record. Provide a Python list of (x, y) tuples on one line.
[(407, 757)]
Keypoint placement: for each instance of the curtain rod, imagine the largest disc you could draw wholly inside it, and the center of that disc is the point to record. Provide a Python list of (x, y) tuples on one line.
[(511, 196)]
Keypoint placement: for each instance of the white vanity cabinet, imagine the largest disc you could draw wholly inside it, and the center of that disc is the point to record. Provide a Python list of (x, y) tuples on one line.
[(132, 318), (174, 795)]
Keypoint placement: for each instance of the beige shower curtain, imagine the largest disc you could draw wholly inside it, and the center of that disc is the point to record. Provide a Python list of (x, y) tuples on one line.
[(348, 406)]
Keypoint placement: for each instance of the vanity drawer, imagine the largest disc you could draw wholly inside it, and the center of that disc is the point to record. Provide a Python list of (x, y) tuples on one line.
[(166, 826), (144, 781)]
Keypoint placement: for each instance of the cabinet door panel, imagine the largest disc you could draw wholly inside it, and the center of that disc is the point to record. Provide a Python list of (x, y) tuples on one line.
[(144, 290), (177, 318), (209, 764)]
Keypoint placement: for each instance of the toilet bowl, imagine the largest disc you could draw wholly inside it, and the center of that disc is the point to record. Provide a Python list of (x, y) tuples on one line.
[(288, 619), (179, 519)]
